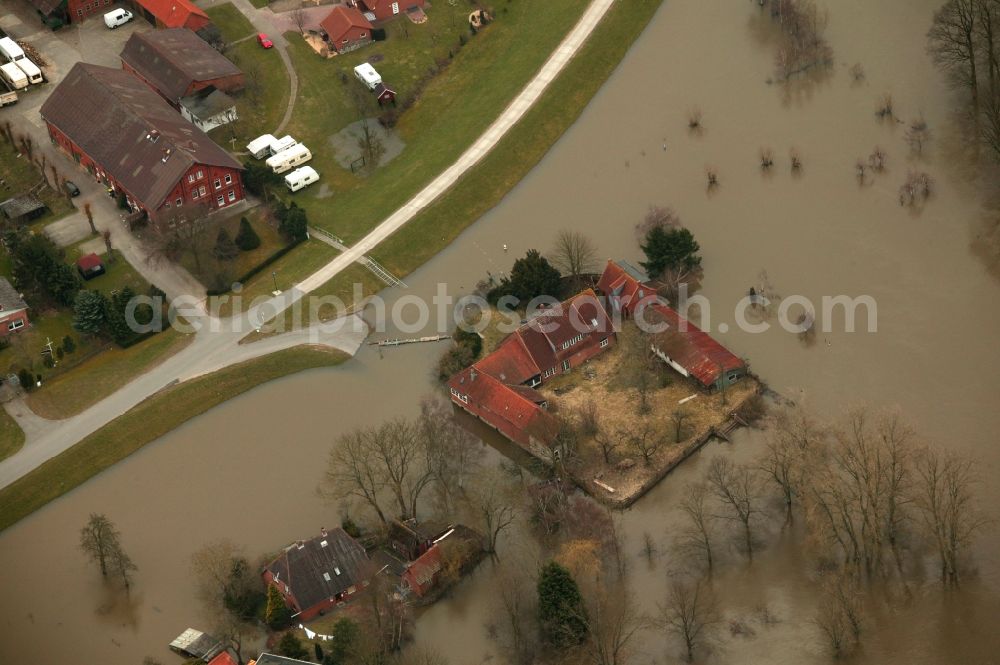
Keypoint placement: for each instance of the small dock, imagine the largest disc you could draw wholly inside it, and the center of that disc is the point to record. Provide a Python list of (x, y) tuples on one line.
[(409, 340)]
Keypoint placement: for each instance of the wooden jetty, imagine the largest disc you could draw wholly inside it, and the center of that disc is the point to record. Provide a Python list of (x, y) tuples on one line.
[(409, 340)]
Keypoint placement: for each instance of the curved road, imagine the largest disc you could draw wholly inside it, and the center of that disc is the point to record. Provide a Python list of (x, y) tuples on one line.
[(216, 343)]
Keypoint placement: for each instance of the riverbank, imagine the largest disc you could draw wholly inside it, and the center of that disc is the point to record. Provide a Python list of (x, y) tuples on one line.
[(147, 422)]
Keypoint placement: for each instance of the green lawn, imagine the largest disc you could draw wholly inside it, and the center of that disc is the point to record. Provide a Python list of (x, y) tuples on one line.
[(147, 422), (217, 273), (523, 147), (97, 377), (11, 435), (453, 110), (19, 176), (261, 106), (231, 23)]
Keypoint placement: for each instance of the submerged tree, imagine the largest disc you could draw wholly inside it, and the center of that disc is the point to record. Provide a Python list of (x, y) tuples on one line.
[(689, 613), (737, 488), (574, 254), (99, 540)]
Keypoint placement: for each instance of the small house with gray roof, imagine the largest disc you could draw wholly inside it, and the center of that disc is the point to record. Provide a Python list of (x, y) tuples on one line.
[(13, 309), (316, 575)]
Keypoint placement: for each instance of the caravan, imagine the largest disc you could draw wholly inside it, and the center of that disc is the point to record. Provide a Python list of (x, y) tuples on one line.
[(284, 143), (300, 178), (286, 159), (367, 75), (260, 146), (14, 77), (30, 70), (10, 50)]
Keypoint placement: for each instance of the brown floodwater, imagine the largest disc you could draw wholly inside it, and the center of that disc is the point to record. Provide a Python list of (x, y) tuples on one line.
[(248, 469)]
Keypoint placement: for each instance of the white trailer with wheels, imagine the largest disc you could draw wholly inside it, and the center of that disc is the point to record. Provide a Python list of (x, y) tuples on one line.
[(30, 70), (282, 144), (13, 76), (261, 146), (301, 177), (367, 75), (9, 49), (286, 159)]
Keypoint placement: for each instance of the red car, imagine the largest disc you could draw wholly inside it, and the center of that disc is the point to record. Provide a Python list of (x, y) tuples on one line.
[(264, 40)]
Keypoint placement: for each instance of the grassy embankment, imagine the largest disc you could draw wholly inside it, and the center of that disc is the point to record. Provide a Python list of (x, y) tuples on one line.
[(523, 147), (146, 422), (11, 435)]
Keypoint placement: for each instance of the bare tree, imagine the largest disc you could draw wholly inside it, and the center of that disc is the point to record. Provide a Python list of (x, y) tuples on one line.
[(492, 499), (516, 609), (695, 539), (107, 244), (738, 490), (657, 216), (574, 254), (677, 417), (945, 502), (89, 212), (840, 616), (952, 44), (917, 135), (179, 232), (352, 473), (123, 566), (612, 622), (99, 540), (453, 455), (791, 445), (299, 17), (689, 613), (646, 438), (610, 440), (396, 447)]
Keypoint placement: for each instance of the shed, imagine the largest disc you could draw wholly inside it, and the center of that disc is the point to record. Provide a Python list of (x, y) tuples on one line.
[(90, 266), (22, 209), (209, 108), (260, 146), (384, 94), (197, 644)]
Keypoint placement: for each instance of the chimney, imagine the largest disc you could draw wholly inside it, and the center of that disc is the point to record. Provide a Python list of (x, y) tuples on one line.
[(322, 531), (472, 375)]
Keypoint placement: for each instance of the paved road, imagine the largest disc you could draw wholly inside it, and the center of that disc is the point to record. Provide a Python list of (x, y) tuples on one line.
[(212, 350)]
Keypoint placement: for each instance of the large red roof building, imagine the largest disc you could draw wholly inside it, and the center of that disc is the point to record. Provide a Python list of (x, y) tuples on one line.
[(386, 9), (346, 29), (128, 137), (173, 14)]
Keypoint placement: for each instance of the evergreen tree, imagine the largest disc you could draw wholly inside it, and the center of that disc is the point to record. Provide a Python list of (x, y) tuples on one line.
[(276, 614), (26, 380), (90, 312), (531, 276), (560, 607), (292, 223), (247, 239), (68, 344), (291, 646), (345, 634), (225, 249), (670, 249)]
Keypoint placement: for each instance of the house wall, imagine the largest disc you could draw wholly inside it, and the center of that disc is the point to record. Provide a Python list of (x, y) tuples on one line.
[(78, 10), (352, 40), (208, 124), (314, 611), (19, 319), (384, 9)]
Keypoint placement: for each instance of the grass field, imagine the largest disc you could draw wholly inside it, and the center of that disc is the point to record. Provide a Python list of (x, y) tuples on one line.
[(146, 423), (19, 176), (231, 23), (11, 435), (259, 112), (215, 273), (97, 377)]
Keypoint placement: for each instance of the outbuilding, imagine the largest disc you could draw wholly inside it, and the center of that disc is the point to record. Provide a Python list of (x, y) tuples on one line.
[(90, 266), (385, 95), (22, 209), (346, 29)]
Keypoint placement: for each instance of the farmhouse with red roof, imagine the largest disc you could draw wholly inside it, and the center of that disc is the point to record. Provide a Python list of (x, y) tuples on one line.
[(685, 346)]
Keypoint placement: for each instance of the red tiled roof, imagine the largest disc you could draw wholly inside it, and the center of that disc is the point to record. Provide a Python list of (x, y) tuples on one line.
[(224, 658), (422, 571), (690, 346), (89, 262), (339, 21), (173, 13), (508, 409)]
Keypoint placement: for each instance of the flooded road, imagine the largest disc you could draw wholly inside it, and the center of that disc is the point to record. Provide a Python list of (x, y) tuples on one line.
[(249, 469)]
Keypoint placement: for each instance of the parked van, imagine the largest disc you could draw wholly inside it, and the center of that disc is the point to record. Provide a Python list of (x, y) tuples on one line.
[(282, 144), (286, 159), (14, 77), (367, 75), (117, 17), (260, 146), (30, 70), (10, 50), (300, 178)]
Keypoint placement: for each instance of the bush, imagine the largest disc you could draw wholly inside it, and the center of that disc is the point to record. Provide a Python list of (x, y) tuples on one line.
[(454, 360), (352, 529), (68, 344), (24, 378), (470, 339), (225, 249), (277, 615), (291, 647), (247, 239)]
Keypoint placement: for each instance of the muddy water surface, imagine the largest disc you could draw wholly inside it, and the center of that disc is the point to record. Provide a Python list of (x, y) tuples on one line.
[(248, 470)]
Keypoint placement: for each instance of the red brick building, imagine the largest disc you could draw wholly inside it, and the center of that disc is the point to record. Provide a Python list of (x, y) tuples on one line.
[(346, 29), (316, 575), (172, 14), (71, 11), (685, 347), (177, 63), (387, 9), (499, 389), (126, 136)]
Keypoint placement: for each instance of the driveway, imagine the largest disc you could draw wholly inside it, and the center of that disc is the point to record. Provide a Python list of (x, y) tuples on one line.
[(89, 41)]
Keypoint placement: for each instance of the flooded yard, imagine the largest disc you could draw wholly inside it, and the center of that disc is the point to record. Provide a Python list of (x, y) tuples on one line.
[(249, 470)]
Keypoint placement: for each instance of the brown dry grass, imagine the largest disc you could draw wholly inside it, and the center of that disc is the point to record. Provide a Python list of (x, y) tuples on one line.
[(601, 381)]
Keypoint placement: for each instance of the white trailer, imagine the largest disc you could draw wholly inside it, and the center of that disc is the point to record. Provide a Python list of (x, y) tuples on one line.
[(301, 177), (286, 159), (13, 76), (260, 146), (282, 144), (367, 75), (30, 70), (10, 50)]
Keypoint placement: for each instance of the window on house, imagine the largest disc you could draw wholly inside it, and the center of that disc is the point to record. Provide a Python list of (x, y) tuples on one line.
[(565, 365), (218, 184), (219, 200), (179, 201), (14, 325), (194, 193), (232, 196), (79, 12), (229, 179), (190, 177), (200, 174), (201, 191), (604, 342)]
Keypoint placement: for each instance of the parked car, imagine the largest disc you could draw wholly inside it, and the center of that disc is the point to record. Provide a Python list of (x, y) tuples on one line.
[(72, 188), (117, 17), (264, 40)]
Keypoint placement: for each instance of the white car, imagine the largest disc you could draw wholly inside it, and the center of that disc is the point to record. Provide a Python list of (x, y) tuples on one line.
[(117, 17)]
